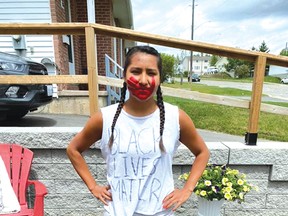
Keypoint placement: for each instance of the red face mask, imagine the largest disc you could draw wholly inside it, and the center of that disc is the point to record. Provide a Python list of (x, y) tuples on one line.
[(140, 92)]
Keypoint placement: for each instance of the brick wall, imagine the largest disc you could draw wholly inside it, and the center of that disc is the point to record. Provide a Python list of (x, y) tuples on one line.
[(61, 49), (265, 166), (78, 50), (104, 15)]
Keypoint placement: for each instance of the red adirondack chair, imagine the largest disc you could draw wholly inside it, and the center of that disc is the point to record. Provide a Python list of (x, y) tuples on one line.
[(18, 162)]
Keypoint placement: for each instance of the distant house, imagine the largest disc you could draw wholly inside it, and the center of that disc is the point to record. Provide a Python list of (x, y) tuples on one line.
[(220, 64), (200, 63), (65, 54)]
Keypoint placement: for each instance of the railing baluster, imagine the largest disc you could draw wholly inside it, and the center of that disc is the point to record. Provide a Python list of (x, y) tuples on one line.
[(92, 69), (255, 104)]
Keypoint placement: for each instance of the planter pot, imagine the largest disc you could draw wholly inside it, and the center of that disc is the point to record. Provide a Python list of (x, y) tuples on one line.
[(209, 208)]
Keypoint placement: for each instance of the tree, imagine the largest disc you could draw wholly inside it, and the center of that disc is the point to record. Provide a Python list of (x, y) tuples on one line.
[(284, 52), (168, 66), (263, 48), (242, 71), (233, 63), (213, 60), (236, 64)]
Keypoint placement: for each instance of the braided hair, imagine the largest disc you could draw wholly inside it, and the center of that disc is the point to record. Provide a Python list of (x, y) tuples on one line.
[(160, 104), (162, 117), (119, 108)]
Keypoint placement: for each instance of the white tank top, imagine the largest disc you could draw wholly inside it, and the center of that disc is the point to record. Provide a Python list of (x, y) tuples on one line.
[(140, 175)]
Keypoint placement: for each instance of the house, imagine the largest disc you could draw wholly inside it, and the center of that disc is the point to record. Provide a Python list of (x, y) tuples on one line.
[(200, 63), (66, 54), (220, 63), (219, 66)]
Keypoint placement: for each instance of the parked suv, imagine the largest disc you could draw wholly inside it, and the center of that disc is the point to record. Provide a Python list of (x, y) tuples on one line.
[(16, 100)]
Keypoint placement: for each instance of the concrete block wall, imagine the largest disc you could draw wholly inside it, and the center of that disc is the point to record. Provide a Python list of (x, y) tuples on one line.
[(265, 165), (79, 100)]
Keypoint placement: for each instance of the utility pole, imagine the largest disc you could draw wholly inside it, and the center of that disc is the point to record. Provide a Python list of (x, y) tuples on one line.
[(192, 37)]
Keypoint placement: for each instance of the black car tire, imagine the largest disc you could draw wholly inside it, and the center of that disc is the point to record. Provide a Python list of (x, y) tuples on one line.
[(15, 115)]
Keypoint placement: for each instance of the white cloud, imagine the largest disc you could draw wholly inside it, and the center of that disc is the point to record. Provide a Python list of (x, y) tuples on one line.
[(232, 23)]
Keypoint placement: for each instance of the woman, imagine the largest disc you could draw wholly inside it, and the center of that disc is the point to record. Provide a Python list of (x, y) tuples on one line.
[(138, 139)]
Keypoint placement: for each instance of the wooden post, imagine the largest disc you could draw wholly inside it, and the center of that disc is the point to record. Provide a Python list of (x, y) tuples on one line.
[(255, 104), (92, 69)]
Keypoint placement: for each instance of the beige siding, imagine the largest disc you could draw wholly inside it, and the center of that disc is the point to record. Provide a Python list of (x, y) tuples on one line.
[(27, 11)]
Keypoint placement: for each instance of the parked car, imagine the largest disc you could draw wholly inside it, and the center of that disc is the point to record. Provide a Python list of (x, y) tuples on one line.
[(16, 100), (195, 78), (284, 80)]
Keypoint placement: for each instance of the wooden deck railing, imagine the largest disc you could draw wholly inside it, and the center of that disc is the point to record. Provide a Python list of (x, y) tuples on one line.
[(260, 60)]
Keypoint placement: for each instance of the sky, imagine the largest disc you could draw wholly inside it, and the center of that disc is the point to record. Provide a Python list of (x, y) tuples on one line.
[(234, 23)]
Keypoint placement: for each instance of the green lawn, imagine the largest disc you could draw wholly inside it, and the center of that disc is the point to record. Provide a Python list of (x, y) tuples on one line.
[(230, 120), (209, 89)]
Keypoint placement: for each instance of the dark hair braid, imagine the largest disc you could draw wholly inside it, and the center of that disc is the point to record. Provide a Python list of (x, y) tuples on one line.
[(162, 118), (118, 111)]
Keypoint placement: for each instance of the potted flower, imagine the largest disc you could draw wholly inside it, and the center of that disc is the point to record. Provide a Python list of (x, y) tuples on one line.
[(219, 183)]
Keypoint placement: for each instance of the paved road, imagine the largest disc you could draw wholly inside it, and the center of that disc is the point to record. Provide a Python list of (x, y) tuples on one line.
[(273, 90)]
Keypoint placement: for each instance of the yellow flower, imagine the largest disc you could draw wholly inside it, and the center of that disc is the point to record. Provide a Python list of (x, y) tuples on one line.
[(228, 196), (203, 193), (185, 176), (235, 172), (229, 184), (224, 180), (245, 188), (228, 189), (240, 182), (207, 182), (241, 196)]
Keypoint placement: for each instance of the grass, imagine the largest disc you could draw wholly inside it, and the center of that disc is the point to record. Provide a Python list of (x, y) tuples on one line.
[(233, 92), (232, 120), (210, 89), (272, 79), (283, 104), (225, 77)]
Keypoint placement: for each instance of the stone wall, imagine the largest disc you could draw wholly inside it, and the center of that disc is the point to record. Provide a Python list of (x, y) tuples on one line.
[(73, 102), (266, 166)]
